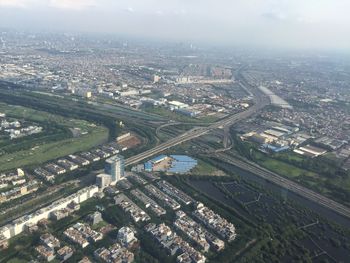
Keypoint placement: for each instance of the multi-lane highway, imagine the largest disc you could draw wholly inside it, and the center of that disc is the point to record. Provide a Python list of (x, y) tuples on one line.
[(199, 131), (260, 101), (285, 183)]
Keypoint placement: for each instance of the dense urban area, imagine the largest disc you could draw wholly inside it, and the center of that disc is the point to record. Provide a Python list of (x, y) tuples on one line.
[(115, 150)]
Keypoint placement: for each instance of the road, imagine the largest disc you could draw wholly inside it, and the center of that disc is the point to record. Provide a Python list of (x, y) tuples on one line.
[(192, 134), (260, 101), (286, 183)]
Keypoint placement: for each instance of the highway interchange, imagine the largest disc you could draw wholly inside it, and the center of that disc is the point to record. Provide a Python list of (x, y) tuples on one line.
[(260, 102)]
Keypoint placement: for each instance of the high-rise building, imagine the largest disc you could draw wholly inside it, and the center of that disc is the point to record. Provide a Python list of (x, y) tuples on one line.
[(115, 167), (103, 180)]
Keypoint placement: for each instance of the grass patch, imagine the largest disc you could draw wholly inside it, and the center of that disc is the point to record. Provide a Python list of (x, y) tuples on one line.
[(43, 151), (54, 150), (204, 168), (285, 169), (178, 117), (99, 225)]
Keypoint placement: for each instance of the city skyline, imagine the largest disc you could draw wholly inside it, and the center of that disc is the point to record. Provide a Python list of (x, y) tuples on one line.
[(180, 131), (270, 24)]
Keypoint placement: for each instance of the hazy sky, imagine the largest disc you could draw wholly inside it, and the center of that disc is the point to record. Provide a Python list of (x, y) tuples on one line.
[(273, 23)]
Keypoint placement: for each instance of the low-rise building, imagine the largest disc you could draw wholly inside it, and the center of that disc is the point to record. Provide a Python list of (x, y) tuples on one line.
[(78, 160), (19, 191), (103, 180), (126, 237), (50, 241), (65, 253), (4, 243), (173, 243), (175, 192), (55, 169), (90, 157), (135, 212), (85, 260), (115, 253), (47, 176), (95, 218), (148, 202), (68, 165), (82, 234), (221, 226), (46, 253), (17, 226), (167, 200), (197, 233)]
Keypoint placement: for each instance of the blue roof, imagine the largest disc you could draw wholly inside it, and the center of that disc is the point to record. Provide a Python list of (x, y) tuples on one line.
[(180, 164), (148, 167), (159, 158), (182, 158)]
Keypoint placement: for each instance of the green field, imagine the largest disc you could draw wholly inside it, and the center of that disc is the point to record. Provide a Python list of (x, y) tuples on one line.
[(285, 169), (318, 174), (42, 151), (204, 168), (40, 116), (178, 117)]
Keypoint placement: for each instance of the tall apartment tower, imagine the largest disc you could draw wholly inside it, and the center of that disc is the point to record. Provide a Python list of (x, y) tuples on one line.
[(115, 167)]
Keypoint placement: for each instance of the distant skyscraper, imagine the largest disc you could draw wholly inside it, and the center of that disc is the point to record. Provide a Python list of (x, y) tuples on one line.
[(115, 167)]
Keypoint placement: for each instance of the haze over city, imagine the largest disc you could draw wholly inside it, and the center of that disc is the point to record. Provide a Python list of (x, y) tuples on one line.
[(174, 131), (320, 24)]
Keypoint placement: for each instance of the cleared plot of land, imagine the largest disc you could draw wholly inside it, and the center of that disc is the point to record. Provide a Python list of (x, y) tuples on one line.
[(323, 178), (88, 136), (204, 168), (178, 117), (285, 169)]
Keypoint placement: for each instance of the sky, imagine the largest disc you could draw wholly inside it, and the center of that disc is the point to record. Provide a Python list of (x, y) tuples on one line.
[(321, 24)]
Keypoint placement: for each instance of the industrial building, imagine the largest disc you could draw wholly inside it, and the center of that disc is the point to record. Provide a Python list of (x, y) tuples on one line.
[(179, 164)]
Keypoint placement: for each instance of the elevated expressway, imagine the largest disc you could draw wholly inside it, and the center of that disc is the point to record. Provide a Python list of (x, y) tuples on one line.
[(260, 103), (261, 100)]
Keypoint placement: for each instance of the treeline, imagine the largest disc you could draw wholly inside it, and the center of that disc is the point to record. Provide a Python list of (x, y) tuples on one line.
[(66, 110), (321, 165), (52, 132)]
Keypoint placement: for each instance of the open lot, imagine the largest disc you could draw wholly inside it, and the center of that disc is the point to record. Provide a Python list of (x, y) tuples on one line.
[(178, 117), (81, 135), (317, 174)]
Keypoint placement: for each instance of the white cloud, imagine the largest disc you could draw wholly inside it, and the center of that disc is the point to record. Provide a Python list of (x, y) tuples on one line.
[(159, 12), (280, 22), (73, 4), (60, 4), (181, 12), (275, 15), (14, 3), (129, 9)]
